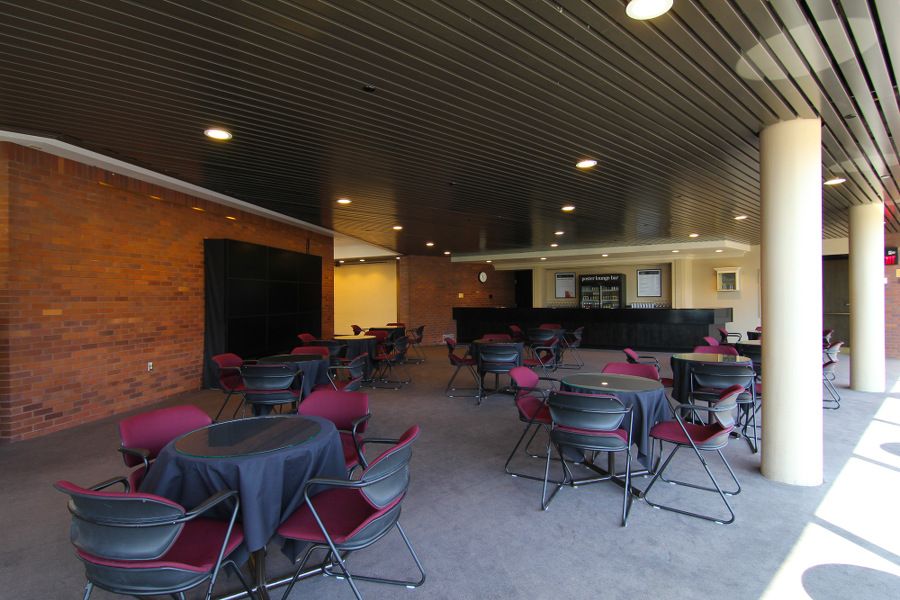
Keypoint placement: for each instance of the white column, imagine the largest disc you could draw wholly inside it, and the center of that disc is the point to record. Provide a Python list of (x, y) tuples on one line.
[(791, 249), (683, 283), (867, 297)]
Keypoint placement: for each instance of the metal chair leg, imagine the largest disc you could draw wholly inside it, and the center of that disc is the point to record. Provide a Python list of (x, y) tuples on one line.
[(88, 588)]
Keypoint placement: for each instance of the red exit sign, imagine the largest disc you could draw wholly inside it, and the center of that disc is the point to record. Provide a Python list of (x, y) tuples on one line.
[(890, 256)]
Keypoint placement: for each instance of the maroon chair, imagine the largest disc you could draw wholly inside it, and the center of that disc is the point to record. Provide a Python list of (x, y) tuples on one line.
[(460, 362), (323, 351), (570, 343), (554, 326), (143, 435), (726, 337), (356, 329), (531, 402), (496, 337), (415, 340), (710, 341), (270, 386), (393, 355), (711, 437), (352, 515), (646, 359), (637, 370), (396, 325), (308, 339), (349, 411), (518, 334), (829, 374), (230, 380), (137, 544), (720, 349), (832, 352)]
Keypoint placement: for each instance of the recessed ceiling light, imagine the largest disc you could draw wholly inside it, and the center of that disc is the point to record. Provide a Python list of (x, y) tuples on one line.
[(397, 227), (740, 217), (344, 200), (835, 181), (558, 232), (720, 250), (398, 258), (586, 163), (568, 208), (340, 261), (446, 253), (604, 255), (217, 133), (429, 244), (198, 209), (488, 261), (641, 10), (886, 176), (675, 251), (230, 218), (362, 260), (543, 258), (694, 235), (554, 245)]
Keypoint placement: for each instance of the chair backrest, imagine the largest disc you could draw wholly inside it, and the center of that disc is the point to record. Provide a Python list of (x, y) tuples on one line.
[(322, 351), (724, 414), (631, 356), (306, 338), (393, 465), (593, 412), (356, 329), (498, 358), (401, 345), (710, 341), (357, 366), (723, 334), (550, 326), (720, 349), (229, 377), (122, 526), (267, 377), (518, 334), (340, 407), (497, 337), (833, 351), (826, 335), (524, 379), (829, 368), (637, 370), (542, 337), (396, 325), (721, 376), (575, 337), (154, 429), (380, 335)]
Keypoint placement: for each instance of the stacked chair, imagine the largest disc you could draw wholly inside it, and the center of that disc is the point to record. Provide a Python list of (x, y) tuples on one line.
[(230, 380), (569, 345), (709, 380), (545, 349), (634, 358), (271, 385), (460, 362)]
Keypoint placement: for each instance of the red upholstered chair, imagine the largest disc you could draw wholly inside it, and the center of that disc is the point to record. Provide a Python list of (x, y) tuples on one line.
[(710, 341), (726, 337), (353, 515), (496, 337), (143, 435), (720, 349), (349, 411), (646, 359), (460, 362), (356, 329), (545, 349), (415, 340), (570, 344), (832, 352), (711, 437), (137, 544), (637, 370), (590, 423), (323, 351), (230, 381), (517, 333), (307, 338), (391, 357), (531, 402)]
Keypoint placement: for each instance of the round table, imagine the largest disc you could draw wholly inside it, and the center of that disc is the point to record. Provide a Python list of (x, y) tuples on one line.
[(313, 367), (645, 397), (359, 344), (267, 460), (681, 375)]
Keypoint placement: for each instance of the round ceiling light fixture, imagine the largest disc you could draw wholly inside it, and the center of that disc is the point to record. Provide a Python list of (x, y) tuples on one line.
[(217, 133), (835, 181), (641, 10), (543, 258), (740, 217), (554, 245), (397, 227), (587, 163), (429, 244), (693, 235), (568, 208), (344, 201), (446, 253)]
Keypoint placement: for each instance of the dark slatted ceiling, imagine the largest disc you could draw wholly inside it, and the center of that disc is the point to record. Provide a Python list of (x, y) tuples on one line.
[(480, 109)]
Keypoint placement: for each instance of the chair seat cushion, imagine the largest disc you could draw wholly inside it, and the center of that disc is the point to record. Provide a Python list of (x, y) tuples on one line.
[(533, 408), (670, 431), (343, 511), (196, 548), (667, 381)]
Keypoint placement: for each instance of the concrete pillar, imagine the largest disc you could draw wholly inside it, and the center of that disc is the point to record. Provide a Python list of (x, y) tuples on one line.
[(867, 297), (538, 286), (683, 283), (790, 260)]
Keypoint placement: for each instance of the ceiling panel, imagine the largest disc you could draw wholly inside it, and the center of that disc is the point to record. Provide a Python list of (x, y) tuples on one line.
[(478, 113)]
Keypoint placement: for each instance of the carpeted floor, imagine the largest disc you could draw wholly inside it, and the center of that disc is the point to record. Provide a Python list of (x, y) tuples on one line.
[(481, 535)]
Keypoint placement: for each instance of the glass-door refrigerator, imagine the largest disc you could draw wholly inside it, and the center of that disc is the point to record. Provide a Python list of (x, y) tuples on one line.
[(602, 291)]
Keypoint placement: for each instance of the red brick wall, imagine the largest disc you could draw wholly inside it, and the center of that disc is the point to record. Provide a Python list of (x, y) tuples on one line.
[(105, 273), (428, 288), (892, 303)]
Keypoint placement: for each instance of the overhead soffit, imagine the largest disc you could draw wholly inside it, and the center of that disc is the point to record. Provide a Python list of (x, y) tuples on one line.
[(479, 111)]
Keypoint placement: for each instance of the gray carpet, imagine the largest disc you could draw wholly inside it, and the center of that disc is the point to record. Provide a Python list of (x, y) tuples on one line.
[(480, 533)]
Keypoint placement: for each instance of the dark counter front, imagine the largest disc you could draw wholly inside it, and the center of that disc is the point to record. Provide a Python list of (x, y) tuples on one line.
[(672, 330)]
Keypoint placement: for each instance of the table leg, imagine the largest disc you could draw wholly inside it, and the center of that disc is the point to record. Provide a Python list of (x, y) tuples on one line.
[(258, 565)]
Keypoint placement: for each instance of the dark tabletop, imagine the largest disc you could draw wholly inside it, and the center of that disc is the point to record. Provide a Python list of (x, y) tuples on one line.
[(270, 482), (313, 366), (646, 399), (681, 375)]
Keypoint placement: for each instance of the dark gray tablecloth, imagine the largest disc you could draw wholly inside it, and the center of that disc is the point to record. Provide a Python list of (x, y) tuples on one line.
[(315, 371), (357, 347), (649, 408), (270, 484)]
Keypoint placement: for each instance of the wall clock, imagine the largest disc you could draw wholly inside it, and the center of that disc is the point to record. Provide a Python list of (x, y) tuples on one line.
[(482, 276)]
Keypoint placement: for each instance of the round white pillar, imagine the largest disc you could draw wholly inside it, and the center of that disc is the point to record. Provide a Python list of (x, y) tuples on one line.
[(867, 297), (791, 269)]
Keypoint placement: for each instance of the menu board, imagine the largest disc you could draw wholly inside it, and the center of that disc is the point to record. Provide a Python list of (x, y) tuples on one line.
[(649, 282), (565, 285)]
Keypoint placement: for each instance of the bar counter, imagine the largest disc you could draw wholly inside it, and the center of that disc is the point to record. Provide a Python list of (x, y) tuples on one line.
[(662, 329)]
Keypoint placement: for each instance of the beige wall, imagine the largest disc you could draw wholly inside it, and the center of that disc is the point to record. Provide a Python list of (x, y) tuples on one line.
[(364, 295), (546, 295), (744, 302)]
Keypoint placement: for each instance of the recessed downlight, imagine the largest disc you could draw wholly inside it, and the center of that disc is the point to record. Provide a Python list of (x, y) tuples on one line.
[(554, 245), (198, 209), (429, 244), (344, 201), (740, 217), (488, 261), (217, 133), (693, 235), (568, 208), (641, 10), (230, 218), (398, 258), (340, 261), (543, 258), (362, 260), (397, 227), (835, 181), (720, 250), (604, 255), (558, 232), (675, 251), (446, 253), (587, 163)]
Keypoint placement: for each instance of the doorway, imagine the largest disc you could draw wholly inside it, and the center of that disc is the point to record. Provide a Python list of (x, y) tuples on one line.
[(836, 297), (523, 282)]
